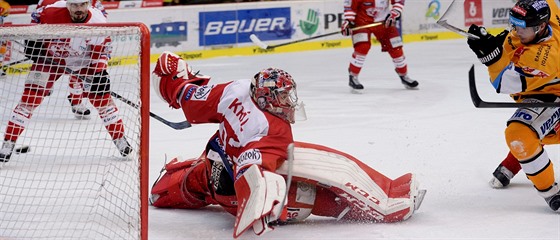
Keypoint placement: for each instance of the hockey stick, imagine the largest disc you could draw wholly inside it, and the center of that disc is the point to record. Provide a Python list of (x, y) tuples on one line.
[(479, 103), (9, 65), (263, 45), (462, 32), (444, 24), (174, 125)]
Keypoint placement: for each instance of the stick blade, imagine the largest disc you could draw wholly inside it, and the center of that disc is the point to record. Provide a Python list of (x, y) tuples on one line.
[(258, 42)]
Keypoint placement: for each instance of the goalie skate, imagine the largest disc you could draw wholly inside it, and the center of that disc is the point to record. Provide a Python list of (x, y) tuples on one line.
[(418, 199)]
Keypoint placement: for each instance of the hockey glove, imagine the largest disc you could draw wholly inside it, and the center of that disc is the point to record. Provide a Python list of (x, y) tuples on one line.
[(488, 48), (346, 29), (171, 75), (392, 17)]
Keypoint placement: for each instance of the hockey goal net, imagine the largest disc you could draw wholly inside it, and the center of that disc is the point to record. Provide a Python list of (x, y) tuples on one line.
[(74, 182)]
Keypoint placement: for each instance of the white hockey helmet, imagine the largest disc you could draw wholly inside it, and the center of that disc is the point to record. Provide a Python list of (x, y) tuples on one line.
[(274, 90)]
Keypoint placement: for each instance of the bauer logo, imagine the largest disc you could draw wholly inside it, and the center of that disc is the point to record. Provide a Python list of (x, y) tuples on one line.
[(232, 27)]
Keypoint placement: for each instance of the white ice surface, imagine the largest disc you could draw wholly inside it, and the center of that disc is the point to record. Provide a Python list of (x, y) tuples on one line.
[(434, 132)]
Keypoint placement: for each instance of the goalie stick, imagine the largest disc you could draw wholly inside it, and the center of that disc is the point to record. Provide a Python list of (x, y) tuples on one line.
[(174, 125), (479, 103), (263, 45)]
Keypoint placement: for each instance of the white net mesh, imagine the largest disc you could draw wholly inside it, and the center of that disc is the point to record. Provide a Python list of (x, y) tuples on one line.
[(74, 183)]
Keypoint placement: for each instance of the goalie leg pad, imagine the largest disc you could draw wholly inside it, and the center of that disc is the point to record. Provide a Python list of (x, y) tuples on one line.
[(259, 195), (365, 191), (174, 190)]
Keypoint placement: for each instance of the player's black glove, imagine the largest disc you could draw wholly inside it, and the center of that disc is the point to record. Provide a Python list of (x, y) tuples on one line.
[(99, 83), (488, 48)]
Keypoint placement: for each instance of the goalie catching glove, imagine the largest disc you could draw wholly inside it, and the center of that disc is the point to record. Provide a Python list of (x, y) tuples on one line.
[(488, 48), (171, 75)]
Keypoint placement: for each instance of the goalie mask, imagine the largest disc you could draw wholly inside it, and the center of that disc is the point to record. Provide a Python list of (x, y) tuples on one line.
[(274, 90)]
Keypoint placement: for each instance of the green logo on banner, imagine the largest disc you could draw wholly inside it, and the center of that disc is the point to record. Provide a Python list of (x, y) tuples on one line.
[(310, 25)]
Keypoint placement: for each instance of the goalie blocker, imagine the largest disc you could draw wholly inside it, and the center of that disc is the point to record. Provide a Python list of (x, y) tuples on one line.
[(325, 182)]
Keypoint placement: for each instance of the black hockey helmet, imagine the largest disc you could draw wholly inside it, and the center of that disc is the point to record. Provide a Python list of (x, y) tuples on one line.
[(529, 13)]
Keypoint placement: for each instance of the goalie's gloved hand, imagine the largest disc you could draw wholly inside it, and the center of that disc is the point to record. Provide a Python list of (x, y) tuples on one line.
[(346, 28), (488, 48), (98, 84)]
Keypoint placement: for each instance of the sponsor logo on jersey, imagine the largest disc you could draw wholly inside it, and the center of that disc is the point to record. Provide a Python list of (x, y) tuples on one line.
[(239, 111), (535, 72), (201, 93), (251, 156), (232, 27), (550, 123), (523, 115), (189, 93)]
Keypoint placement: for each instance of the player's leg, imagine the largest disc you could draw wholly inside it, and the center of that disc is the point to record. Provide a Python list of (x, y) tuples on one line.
[(37, 84), (75, 97), (391, 42), (98, 91), (109, 114), (361, 39), (526, 145)]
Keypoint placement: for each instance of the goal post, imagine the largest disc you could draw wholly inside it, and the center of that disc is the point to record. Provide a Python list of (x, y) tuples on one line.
[(76, 181)]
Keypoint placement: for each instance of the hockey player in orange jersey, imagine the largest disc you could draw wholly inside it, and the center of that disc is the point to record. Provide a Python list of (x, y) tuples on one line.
[(525, 64), (244, 164)]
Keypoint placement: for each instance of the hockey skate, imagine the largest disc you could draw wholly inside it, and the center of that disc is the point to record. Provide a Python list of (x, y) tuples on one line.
[(6, 150), (123, 146), (501, 177), (554, 200), (408, 83), (80, 110), (354, 83)]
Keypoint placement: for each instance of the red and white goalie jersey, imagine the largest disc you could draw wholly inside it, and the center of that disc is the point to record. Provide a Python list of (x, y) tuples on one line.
[(248, 134), (75, 53), (362, 12)]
